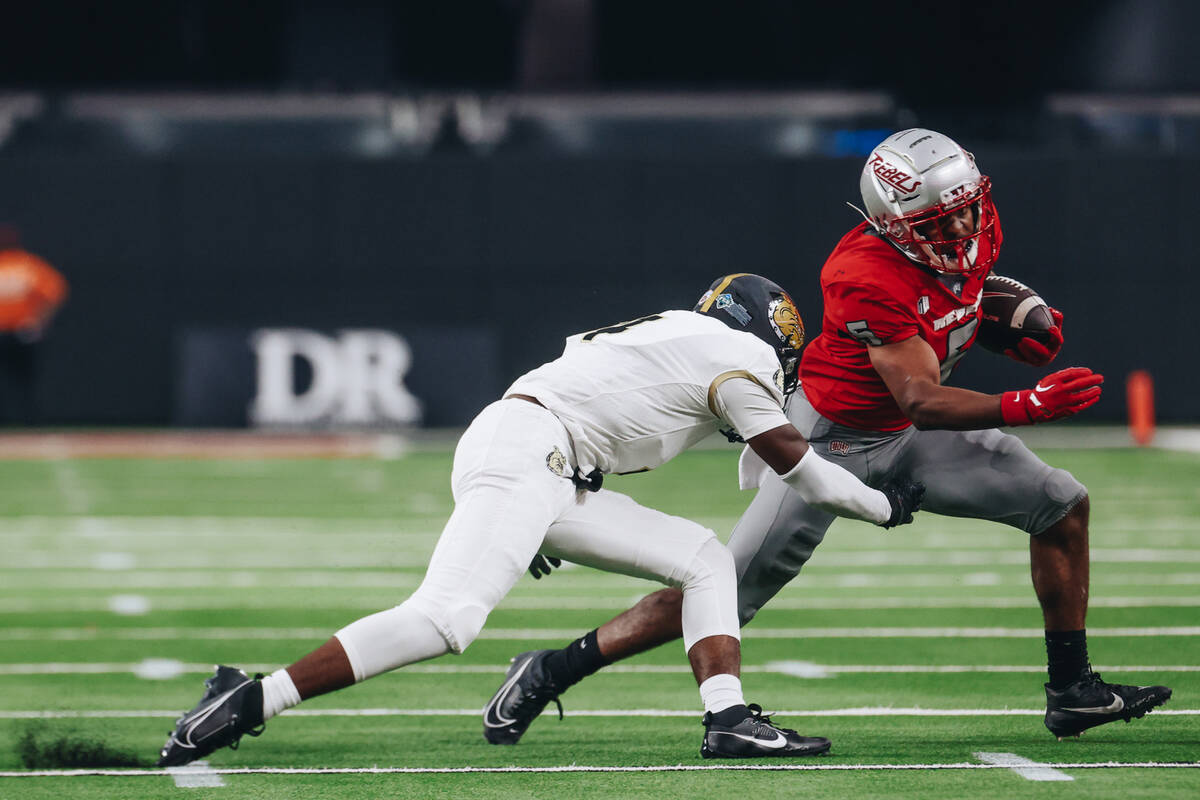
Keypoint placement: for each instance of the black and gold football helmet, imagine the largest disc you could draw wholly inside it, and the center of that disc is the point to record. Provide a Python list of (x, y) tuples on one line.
[(756, 305)]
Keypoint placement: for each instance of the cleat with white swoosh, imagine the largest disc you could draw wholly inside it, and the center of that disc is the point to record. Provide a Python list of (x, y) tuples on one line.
[(756, 737), (232, 706), (527, 689), (1089, 702)]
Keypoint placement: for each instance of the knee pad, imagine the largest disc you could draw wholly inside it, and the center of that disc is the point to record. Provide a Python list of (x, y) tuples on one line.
[(1062, 492), (713, 559), (389, 639), (1061, 487), (464, 622), (459, 621), (709, 595)]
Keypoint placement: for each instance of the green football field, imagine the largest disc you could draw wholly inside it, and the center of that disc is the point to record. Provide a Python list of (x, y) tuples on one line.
[(917, 651)]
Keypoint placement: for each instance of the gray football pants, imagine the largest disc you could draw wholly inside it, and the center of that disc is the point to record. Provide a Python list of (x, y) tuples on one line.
[(977, 474)]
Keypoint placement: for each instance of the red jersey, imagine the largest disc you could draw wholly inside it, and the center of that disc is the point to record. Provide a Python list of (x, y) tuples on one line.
[(874, 296)]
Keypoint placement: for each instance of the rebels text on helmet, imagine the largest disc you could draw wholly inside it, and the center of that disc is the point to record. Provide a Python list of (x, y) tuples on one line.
[(893, 176)]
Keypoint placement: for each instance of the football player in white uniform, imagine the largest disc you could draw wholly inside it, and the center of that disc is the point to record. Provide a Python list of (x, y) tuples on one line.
[(526, 479)]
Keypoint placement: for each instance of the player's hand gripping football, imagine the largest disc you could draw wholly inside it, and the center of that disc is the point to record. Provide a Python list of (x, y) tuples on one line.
[(1037, 353), (1059, 394), (541, 565), (905, 497)]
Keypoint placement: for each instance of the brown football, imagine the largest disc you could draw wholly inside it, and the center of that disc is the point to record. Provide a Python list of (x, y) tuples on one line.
[(1011, 311)]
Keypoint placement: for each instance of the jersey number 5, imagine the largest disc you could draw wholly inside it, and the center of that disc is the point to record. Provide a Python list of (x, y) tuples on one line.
[(860, 331), (956, 345)]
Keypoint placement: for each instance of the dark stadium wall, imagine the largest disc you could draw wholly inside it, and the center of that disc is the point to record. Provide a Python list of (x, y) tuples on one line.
[(518, 252)]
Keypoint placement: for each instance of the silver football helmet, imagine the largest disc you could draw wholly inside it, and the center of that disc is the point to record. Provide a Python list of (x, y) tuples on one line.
[(925, 195)]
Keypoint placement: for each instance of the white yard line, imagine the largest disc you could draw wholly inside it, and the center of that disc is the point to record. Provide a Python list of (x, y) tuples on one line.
[(1025, 601), (166, 668), (1027, 768), (345, 557), (541, 634), (579, 768), (1130, 529), (197, 775), (783, 667), (133, 605), (872, 711), (307, 578)]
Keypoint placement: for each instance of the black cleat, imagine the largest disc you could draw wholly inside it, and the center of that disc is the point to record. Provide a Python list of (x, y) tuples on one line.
[(527, 689), (1089, 702), (756, 737), (231, 706)]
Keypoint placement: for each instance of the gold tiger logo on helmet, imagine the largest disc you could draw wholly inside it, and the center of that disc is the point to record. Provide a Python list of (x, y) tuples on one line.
[(786, 322)]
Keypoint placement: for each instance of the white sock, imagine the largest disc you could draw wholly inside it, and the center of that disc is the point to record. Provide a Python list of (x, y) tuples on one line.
[(721, 692), (279, 693)]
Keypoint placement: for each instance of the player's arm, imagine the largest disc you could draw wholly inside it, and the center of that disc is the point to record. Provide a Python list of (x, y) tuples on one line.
[(750, 408), (912, 374)]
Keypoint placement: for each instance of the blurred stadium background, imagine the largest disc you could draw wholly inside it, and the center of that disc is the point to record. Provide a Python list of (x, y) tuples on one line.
[(369, 214), (355, 223)]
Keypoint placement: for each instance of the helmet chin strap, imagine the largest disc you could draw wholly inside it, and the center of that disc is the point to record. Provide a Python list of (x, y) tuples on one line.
[(870, 221), (883, 234)]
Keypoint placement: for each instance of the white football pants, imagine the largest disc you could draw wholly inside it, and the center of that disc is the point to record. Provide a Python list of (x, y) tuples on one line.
[(513, 499)]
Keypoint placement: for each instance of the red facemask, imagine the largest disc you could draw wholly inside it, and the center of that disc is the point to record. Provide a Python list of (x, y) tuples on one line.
[(960, 237)]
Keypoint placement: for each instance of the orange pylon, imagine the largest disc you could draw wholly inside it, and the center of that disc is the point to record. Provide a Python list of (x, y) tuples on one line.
[(1139, 399)]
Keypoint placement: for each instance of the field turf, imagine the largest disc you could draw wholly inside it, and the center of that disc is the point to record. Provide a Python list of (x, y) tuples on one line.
[(917, 651)]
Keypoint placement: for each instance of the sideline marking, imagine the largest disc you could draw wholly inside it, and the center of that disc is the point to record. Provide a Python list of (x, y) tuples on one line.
[(128, 605), (157, 669), (134, 773), (865, 711), (1028, 769), (806, 670), (197, 775)]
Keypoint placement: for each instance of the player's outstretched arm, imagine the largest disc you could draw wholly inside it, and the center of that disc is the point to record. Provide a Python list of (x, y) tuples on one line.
[(831, 488), (912, 374)]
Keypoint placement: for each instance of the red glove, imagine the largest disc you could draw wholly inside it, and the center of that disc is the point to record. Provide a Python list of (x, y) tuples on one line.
[(1059, 394), (1031, 351)]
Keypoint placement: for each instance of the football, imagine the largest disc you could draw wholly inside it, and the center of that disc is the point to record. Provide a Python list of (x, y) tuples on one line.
[(1011, 311)]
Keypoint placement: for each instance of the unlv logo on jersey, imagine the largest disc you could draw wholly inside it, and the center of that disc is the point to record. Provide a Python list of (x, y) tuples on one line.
[(894, 176), (956, 314)]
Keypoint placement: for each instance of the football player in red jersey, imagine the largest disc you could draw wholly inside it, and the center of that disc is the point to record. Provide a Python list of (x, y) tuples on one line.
[(902, 303)]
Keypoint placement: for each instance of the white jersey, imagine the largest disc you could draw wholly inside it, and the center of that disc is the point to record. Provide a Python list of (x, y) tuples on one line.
[(635, 395)]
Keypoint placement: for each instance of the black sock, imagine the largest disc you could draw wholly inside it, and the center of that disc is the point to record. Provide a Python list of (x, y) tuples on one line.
[(731, 716), (575, 662), (1067, 656)]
